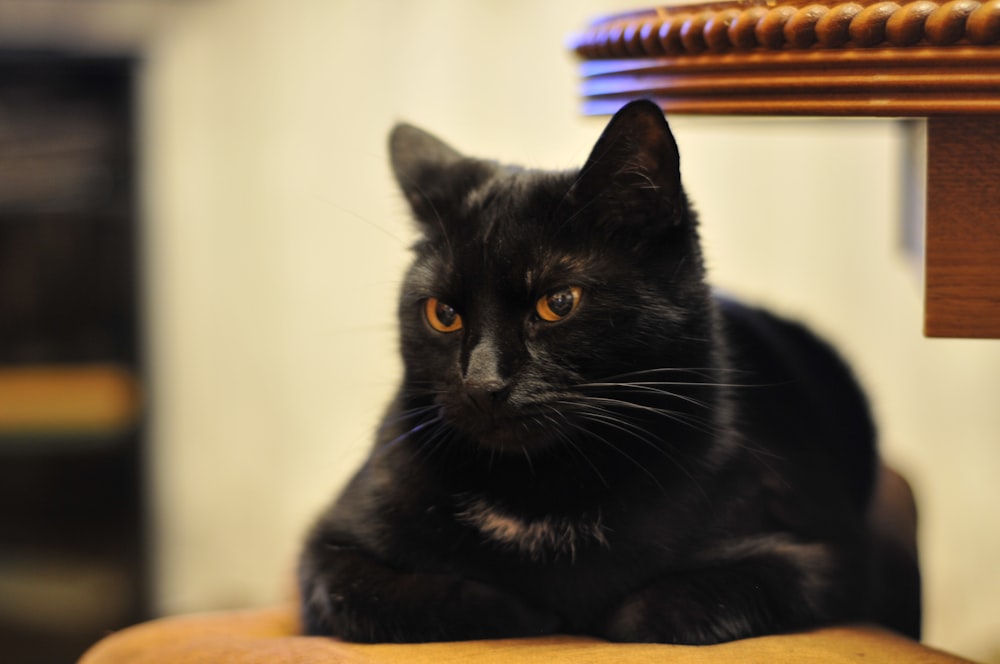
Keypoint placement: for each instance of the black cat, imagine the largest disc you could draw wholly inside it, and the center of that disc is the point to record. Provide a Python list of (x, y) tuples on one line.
[(586, 439)]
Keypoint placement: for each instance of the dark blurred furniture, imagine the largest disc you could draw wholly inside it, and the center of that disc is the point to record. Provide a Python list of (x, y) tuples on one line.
[(927, 59), (72, 550)]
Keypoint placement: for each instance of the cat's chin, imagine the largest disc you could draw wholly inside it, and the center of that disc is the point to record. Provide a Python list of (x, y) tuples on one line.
[(506, 441), (514, 435)]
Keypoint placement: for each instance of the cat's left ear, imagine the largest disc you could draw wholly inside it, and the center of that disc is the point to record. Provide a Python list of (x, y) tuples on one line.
[(431, 174), (412, 150), (634, 169)]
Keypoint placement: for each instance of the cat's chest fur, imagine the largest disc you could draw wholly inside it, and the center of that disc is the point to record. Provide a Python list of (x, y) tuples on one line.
[(543, 537)]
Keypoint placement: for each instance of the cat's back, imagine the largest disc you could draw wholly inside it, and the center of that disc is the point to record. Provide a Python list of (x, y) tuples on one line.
[(797, 397)]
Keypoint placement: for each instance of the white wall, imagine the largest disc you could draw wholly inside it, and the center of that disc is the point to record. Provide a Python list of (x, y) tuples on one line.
[(275, 240)]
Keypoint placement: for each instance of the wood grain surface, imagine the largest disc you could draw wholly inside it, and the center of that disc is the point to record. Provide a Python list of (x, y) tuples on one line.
[(962, 289)]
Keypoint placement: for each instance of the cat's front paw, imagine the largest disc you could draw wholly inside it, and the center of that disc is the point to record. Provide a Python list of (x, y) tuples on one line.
[(646, 618), (376, 605), (693, 610), (327, 611), (482, 611)]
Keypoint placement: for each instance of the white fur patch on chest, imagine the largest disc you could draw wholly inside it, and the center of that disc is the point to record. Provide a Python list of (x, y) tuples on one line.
[(548, 536)]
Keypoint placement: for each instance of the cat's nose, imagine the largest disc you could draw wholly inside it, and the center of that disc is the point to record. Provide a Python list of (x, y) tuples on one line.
[(484, 383), (486, 392)]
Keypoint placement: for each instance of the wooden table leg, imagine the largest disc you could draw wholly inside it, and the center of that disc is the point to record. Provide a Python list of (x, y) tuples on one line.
[(962, 290)]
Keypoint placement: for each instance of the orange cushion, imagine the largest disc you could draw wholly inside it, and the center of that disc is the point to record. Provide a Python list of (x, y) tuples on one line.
[(270, 636)]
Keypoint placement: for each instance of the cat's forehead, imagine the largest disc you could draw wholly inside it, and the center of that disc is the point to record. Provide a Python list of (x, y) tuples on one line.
[(510, 187), (512, 234), (498, 262), (500, 268), (516, 224), (516, 211), (493, 277)]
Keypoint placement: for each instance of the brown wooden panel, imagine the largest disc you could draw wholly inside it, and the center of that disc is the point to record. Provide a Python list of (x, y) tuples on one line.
[(962, 291)]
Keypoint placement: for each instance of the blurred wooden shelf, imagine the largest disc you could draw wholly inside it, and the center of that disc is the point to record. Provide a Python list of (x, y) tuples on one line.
[(937, 60), (75, 400)]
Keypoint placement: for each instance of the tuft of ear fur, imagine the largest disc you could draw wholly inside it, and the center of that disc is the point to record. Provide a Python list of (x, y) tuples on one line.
[(633, 172), (431, 174)]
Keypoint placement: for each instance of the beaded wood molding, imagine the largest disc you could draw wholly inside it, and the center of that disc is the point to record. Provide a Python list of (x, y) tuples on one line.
[(834, 58)]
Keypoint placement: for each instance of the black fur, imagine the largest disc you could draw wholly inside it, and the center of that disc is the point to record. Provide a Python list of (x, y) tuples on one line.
[(659, 465)]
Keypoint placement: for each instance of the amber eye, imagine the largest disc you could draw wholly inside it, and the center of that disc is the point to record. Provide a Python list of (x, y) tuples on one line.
[(558, 304), (441, 317)]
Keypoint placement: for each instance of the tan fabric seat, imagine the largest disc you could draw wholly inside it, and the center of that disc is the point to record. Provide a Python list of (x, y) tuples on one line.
[(273, 636), (270, 636)]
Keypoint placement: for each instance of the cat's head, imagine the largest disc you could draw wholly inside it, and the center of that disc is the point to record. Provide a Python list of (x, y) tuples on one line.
[(535, 295)]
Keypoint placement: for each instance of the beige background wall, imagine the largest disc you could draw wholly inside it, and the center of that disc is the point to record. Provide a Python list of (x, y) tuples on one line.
[(275, 242)]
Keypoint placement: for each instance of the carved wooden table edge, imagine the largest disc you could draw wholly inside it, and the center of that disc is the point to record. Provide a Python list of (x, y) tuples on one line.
[(849, 58), (716, 27), (937, 60)]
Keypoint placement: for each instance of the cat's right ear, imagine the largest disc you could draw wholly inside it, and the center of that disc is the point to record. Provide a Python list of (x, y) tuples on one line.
[(431, 174)]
